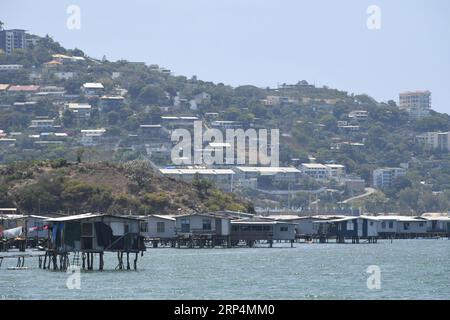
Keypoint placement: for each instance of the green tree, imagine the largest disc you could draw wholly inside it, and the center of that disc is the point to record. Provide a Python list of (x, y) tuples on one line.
[(79, 154), (330, 122), (140, 172), (202, 186), (151, 95)]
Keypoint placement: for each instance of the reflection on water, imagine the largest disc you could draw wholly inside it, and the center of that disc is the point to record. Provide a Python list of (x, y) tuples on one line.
[(410, 269)]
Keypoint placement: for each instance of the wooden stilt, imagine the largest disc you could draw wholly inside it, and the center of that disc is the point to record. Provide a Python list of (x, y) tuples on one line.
[(83, 258), (45, 260), (55, 261), (92, 261), (100, 264), (128, 261), (120, 256), (88, 261)]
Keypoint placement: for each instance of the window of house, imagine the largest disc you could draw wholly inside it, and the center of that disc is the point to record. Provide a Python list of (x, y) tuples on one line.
[(86, 230), (406, 226), (283, 229), (160, 227), (144, 226), (185, 225), (391, 225), (350, 226), (383, 225), (206, 224)]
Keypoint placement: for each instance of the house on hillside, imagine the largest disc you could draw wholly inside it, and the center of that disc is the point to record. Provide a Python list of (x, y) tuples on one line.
[(92, 89)]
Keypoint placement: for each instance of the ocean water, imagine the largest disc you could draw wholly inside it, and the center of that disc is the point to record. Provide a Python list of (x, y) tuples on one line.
[(409, 269)]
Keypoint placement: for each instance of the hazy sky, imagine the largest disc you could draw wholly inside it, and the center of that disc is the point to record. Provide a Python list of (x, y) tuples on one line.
[(263, 42)]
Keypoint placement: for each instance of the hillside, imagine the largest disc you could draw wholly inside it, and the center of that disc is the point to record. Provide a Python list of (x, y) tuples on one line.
[(58, 186), (314, 123)]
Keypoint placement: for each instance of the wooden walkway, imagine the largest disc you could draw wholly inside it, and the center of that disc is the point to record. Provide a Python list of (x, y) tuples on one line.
[(20, 258)]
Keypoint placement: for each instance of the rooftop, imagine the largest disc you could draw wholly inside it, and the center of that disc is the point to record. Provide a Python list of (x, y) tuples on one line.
[(92, 85), (415, 92), (79, 106), (23, 88), (313, 166), (112, 98), (268, 170), (199, 171), (258, 220), (87, 216)]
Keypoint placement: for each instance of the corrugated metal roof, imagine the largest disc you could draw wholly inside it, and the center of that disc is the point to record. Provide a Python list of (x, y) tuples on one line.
[(258, 220), (269, 170), (163, 217), (74, 217), (92, 85), (400, 218), (199, 171), (23, 88), (89, 216)]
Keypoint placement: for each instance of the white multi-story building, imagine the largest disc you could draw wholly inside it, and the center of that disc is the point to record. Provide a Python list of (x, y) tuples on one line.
[(360, 115), (11, 40), (92, 137), (383, 177), (272, 100), (10, 67), (248, 176), (42, 123), (417, 103), (435, 140), (80, 110), (323, 171), (335, 171), (92, 89), (315, 170)]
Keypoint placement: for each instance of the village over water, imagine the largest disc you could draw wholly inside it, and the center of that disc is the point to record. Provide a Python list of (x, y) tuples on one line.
[(127, 179)]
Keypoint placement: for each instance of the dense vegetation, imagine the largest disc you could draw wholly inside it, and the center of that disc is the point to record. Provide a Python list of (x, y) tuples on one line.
[(41, 187), (309, 127)]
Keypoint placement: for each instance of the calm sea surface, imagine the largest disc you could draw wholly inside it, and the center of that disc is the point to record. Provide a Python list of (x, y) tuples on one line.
[(410, 269)]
